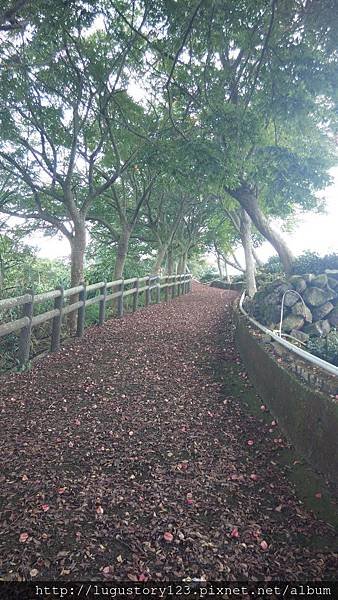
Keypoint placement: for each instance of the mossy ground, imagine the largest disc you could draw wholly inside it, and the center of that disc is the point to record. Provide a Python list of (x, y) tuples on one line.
[(307, 483)]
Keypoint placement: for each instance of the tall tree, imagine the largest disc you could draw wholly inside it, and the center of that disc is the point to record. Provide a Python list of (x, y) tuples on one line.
[(63, 111)]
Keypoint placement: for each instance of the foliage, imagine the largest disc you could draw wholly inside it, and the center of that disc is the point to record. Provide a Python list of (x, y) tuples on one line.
[(325, 347), (236, 98), (311, 262), (208, 275)]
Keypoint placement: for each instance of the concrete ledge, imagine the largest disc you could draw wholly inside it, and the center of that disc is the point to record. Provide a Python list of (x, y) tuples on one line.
[(308, 418), (224, 285)]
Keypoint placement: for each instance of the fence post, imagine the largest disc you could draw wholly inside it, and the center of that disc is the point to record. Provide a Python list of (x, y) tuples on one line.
[(158, 290), (135, 295), (148, 294), (179, 289), (120, 300), (81, 311), (166, 289), (26, 332), (102, 304), (57, 321)]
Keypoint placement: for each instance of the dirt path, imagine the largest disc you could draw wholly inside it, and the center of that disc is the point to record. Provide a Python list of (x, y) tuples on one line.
[(125, 438)]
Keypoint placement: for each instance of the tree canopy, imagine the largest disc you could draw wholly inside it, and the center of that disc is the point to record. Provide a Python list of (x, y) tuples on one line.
[(162, 130)]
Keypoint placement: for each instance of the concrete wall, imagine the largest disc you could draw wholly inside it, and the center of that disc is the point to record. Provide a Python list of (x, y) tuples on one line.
[(224, 285), (308, 418)]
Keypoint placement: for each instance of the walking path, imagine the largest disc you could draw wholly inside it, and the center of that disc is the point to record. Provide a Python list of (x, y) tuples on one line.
[(122, 459)]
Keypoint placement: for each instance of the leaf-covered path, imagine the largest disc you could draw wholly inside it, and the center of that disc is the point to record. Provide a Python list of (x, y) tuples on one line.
[(122, 458)]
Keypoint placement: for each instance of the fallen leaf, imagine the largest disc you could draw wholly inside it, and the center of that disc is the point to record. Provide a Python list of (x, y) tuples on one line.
[(250, 442), (23, 537), (33, 572), (168, 536), (318, 495), (99, 510), (234, 533), (45, 507), (254, 477), (264, 545)]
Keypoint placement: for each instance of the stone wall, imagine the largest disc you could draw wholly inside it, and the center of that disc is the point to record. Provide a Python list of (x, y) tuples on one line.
[(308, 418), (312, 316)]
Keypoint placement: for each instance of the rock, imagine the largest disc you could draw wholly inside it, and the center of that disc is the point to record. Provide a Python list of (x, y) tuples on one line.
[(315, 296), (333, 283), (298, 283), (325, 325), (332, 273), (308, 277), (333, 317), (270, 313), (290, 298), (292, 322), (300, 335), (318, 329), (322, 311), (319, 281), (302, 310)]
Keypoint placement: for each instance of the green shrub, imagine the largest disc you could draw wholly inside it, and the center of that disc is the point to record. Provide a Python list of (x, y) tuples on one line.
[(208, 275), (311, 262), (325, 347), (273, 265)]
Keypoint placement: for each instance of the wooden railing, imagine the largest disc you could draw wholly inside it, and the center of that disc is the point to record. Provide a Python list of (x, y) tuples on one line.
[(173, 285)]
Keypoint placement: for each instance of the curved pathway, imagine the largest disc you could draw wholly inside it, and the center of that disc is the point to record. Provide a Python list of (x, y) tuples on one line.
[(123, 458)]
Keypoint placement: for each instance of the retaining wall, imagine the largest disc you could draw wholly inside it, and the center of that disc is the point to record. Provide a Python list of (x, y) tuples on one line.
[(308, 418)]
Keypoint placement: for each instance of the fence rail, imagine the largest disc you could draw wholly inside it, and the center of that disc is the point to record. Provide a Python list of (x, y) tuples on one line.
[(172, 285)]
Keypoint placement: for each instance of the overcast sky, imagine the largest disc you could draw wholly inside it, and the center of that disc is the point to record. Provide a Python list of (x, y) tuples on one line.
[(316, 232)]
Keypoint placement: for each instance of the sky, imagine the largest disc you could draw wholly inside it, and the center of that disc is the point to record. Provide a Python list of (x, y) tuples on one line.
[(316, 232)]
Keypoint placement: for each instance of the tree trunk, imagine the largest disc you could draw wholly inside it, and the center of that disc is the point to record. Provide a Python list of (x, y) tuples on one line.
[(170, 261), (122, 251), (227, 276), (180, 265), (249, 259), (219, 266), (259, 262), (159, 259), (248, 201), (78, 248), (184, 261)]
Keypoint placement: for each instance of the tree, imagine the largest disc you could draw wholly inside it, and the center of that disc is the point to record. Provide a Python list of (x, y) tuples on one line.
[(65, 143), (254, 75)]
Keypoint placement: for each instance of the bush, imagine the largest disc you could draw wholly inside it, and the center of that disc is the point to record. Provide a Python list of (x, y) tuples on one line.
[(308, 262), (208, 275), (325, 347), (311, 262), (273, 265)]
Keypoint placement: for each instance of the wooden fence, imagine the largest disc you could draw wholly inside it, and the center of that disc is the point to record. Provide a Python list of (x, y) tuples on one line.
[(173, 285)]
